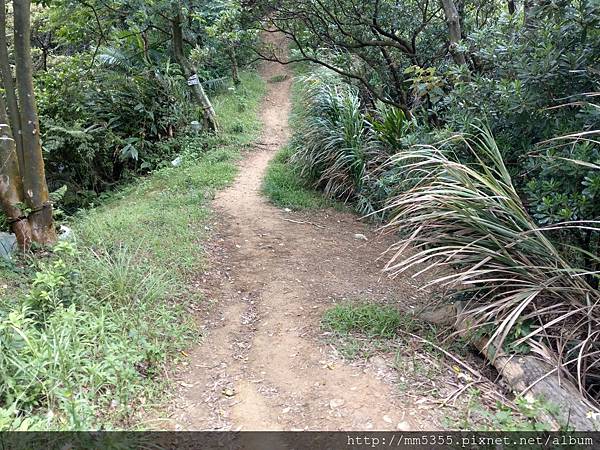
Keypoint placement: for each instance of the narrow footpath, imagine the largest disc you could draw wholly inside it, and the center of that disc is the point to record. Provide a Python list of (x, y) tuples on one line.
[(263, 363)]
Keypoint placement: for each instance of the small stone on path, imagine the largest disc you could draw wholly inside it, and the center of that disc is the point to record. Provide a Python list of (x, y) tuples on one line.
[(336, 403), (403, 426)]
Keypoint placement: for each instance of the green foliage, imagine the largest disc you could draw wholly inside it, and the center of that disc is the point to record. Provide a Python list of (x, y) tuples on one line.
[(529, 84), (469, 219), (112, 103), (370, 319), (457, 206), (565, 186), (335, 146), (390, 125), (117, 276), (172, 197), (53, 286), (534, 84), (78, 356), (474, 205), (108, 123)]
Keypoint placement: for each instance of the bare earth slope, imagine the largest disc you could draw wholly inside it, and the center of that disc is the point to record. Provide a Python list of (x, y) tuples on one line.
[(261, 364)]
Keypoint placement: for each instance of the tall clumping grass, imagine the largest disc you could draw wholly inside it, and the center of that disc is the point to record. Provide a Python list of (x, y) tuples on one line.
[(335, 148), (468, 223), (341, 145), (461, 219)]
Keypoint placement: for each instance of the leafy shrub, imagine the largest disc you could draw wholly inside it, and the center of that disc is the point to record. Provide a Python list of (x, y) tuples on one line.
[(53, 286), (107, 121), (533, 84)]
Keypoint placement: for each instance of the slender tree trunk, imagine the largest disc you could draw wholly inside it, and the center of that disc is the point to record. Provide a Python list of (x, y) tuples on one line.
[(400, 93), (460, 9), (208, 113), (32, 172), (9, 86), (144, 36), (234, 66), (454, 31), (11, 186)]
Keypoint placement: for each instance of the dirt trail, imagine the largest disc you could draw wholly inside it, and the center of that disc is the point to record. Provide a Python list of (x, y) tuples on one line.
[(263, 364)]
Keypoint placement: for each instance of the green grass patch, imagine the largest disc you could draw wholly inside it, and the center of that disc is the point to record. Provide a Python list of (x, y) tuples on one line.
[(370, 319), (364, 329), (284, 186), (87, 329), (361, 330)]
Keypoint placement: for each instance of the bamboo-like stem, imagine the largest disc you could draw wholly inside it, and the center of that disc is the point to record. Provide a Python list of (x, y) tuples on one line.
[(32, 172), (11, 186), (9, 86)]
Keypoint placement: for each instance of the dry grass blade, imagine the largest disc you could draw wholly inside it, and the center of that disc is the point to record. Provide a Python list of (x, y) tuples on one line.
[(468, 226)]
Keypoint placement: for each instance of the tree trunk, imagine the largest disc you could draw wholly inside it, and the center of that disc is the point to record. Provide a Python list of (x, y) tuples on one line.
[(208, 113), (234, 66), (32, 172), (9, 86), (523, 373), (460, 8), (11, 186), (526, 373), (454, 31)]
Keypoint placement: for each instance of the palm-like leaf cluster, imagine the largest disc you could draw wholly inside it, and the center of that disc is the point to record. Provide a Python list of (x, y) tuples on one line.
[(342, 146), (336, 147), (468, 223)]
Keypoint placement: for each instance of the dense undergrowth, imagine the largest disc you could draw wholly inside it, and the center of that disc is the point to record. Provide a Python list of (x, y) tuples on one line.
[(461, 211), (87, 329), (112, 96)]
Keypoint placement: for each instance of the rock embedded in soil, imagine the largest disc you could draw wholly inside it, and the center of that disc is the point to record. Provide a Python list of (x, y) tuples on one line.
[(336, 403), (8, 245)]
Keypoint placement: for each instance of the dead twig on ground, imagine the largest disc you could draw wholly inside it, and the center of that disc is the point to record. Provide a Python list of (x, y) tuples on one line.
[(307, 223)]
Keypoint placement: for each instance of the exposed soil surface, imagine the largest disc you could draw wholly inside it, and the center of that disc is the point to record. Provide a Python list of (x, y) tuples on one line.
[(263, 363)]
